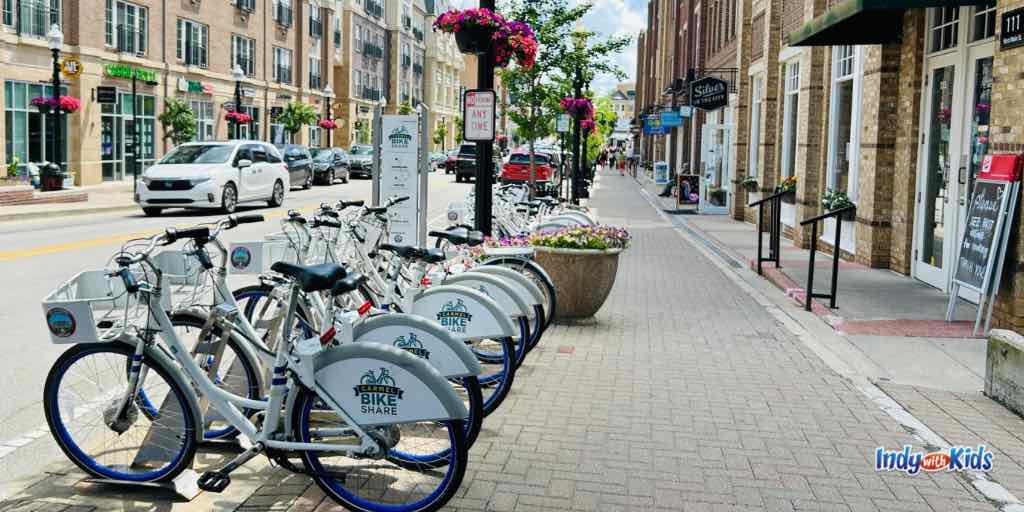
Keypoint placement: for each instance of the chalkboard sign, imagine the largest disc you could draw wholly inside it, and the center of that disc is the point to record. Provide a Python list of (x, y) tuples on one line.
[(982, 234)]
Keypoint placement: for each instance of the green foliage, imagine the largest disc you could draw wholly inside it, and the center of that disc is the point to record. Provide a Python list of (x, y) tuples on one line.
[(178, 121), (12, 168), (458, 129), (604, 124), (295, 115), (441, 132), (599, 238), (406, 109), (835, 200), (363, 133)]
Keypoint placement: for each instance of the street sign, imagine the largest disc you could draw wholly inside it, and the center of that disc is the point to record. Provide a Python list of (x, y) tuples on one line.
[(563, 123), (106, 94), (478, 118), (71, 68), (401, 174), (709, 93)]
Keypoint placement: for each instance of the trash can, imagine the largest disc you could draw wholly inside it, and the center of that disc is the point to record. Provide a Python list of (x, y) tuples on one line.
[(51, 177)]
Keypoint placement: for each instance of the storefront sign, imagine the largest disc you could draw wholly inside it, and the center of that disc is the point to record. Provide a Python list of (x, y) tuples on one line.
[(248, 93), (661, 173), (1012, 35), (193, 86), (671, 119), (123, 71), (71, 68), (686, 111), (400, 176), (653, 126), (479, 115), (562, 123), (709, 93), (106, 94)]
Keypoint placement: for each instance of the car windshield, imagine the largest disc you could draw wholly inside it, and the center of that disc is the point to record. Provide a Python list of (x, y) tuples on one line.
[(361, 150), (523, 158), (198, 154), (322, 155)]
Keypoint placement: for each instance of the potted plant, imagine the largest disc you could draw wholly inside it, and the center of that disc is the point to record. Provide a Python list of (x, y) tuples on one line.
[(44, 104), (834, 200), (788, 186), (750, 184), (473, 28), (582, 263)]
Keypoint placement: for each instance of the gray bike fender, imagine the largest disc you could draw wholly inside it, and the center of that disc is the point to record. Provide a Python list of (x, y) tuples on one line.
[(511, 302), (464, 312), (353, 375), (497, 261), (429, 341), (527, 287)]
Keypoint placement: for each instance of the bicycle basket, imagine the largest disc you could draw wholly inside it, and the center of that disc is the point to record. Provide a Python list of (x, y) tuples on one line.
[(185, 278), (93, 307)]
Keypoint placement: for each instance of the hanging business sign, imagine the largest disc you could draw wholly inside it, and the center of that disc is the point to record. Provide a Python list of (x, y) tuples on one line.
[(106, 94), (478, 115), (124, 71), (71, 68), (709, 93), (671, 118), (653, 126), (1012, 34), (562, 123), (401, 174), (686, 111), (193, 86)]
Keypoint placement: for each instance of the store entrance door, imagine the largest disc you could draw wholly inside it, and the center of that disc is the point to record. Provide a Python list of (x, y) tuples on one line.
[(716, 169)]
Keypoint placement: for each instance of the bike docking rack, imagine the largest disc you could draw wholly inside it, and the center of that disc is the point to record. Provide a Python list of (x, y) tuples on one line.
[(813, 221), (774, 203)]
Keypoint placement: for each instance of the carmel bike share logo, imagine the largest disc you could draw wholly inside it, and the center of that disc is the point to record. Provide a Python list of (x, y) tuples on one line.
[(455, 317), (378, 393), (400, 137), (241, 257), (413, 345), (60, 322)]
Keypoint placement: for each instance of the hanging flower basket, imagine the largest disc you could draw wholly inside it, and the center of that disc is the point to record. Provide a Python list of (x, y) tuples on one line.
[(70, 104), (474, 40), (587, 126), (515, 40), (581, 107), (238, 117), (47, 104), (478, 30), (327, 124)]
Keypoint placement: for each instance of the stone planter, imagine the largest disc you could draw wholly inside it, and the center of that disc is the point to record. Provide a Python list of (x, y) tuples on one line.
[(583, 278)]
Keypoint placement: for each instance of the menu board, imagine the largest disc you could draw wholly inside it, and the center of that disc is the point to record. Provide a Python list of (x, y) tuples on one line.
[(981, 238)]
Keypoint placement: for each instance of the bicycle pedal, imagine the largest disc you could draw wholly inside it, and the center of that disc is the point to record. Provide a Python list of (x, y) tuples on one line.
[(214, 481)]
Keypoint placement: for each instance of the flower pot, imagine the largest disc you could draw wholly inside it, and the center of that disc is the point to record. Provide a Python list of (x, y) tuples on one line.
[(751, 186), (44, 109), (582, 278), (789, 197), (474, 40), (848, 215)]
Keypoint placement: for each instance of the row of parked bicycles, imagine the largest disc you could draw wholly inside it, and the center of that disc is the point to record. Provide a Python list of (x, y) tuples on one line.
[(366, 365)]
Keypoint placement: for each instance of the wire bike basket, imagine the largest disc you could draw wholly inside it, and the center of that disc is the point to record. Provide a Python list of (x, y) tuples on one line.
[(94, 307)]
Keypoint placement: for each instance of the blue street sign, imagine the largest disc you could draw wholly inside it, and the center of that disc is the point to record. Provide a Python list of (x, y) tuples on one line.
[(671, 118)]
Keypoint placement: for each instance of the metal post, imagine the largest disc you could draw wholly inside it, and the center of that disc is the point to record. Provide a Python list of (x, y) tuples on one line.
[(238, 107), (577, 86), (760, 236), (482, 185), (136, 148), (810, 268), (835, 263), (56, 109), (777, 232)]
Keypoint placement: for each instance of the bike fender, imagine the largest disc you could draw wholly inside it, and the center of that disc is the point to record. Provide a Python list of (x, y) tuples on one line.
[(422, 338), (464, 312), (528, 288), (513, 304), (377, 385), (521, 261)]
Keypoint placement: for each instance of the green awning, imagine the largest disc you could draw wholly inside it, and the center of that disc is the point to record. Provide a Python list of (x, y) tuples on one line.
[(862, 22)]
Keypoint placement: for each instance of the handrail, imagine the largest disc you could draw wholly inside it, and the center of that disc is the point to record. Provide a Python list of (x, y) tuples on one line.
[(828, 214), (769, 198)]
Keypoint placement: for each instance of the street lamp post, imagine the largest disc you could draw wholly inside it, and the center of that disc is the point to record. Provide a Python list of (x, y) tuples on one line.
[(55, 38), (328, 96), (577, 86), (238, 75), (483, 184)]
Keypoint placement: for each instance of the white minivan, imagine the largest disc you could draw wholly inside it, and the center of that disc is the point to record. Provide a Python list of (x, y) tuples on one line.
[(214, 175)]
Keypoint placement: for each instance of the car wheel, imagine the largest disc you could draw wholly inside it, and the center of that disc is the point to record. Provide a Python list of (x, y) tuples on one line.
[(330, 177), (308, 184), (152, 212), (229, 198), (277, 196), (345, 179), (458, 179)]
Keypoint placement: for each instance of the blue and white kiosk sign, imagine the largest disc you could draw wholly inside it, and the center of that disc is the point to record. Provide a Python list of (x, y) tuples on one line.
[(402, 173)]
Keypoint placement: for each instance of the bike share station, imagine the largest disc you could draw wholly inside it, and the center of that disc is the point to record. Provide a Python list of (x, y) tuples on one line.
[(400, 169)]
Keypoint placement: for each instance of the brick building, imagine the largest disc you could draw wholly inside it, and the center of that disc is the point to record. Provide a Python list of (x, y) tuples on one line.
[(360, 71), (443, 70)]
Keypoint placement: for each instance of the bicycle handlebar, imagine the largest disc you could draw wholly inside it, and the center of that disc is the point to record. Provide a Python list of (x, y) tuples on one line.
[(173, 235), (331, 223), (250, 218)]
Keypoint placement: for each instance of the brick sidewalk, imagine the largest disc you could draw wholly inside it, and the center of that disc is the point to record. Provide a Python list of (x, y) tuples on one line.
[(683, 393)]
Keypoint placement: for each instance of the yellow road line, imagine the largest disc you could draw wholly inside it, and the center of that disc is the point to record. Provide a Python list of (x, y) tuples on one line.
[(86, 244)]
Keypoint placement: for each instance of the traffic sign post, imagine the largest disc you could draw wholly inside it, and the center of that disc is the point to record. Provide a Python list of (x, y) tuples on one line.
[(478, 123)]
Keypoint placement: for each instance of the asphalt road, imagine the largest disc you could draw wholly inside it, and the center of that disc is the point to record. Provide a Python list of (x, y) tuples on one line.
[(37, 255)]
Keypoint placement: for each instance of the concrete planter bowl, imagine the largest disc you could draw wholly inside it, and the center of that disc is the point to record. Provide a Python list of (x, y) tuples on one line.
[(583, 278)]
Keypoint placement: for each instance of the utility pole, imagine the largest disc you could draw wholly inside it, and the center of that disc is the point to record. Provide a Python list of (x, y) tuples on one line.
[(482, 186), (577, 86)]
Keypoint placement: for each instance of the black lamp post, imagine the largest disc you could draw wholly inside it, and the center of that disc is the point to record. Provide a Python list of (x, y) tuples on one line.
[(238, 75), (483, 184), (445, 126), (55, 38), (577, 87), (328, 96)]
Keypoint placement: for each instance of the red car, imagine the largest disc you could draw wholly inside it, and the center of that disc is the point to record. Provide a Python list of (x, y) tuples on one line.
[(517, 169), (449, 161)]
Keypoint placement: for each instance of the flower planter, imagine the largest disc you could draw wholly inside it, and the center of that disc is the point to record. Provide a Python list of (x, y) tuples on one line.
[(848, 215), (789, 197), (474, 40), (751, 186), (44, 109), (582, 278)]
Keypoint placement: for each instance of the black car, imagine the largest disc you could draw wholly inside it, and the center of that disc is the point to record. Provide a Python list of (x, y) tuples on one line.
[(361, 160), (329, 164), (465, 163), (300, 164)]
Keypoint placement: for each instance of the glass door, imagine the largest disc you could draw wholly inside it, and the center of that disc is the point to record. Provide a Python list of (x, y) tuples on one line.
[(716, 172)]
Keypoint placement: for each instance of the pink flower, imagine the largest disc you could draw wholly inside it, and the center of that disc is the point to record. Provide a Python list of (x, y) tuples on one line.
[(238, 117), (328, 124)]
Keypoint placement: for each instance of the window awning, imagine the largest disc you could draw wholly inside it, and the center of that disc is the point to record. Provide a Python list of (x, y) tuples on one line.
[(863, 22)]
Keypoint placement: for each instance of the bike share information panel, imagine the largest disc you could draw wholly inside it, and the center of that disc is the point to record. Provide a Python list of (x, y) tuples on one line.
[(400, 175)]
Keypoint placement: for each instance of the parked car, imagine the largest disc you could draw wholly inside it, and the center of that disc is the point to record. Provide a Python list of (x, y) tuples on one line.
[(436, 160), (517, 170), (449, 161), (300, 164), (361, 160), (465, 163), (214, 175), (329, 164)]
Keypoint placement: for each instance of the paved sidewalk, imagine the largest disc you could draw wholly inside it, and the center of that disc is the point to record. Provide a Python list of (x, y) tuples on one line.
[(107, 197), (683, 393)]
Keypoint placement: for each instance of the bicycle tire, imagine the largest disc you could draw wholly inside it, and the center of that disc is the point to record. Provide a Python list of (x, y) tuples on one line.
[(155, 361), (473, 425)]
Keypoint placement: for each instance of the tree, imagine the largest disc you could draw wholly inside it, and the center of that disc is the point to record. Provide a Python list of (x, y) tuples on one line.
[(362, 132), (294, 116), (604, 124), (405, 109), (458, 129), (441, 134), (178, 121)]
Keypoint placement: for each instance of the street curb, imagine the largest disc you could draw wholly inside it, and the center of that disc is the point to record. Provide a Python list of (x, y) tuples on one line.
[(8, 217)]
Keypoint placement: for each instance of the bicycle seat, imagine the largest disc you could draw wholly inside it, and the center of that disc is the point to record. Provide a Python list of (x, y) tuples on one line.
[(312, 278), (350, 283), (460, 236), (410, 252)]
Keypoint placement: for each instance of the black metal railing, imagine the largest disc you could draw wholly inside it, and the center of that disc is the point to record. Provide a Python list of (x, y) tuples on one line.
[(34, 17), (284, 15), (813, 221), (774, 204)]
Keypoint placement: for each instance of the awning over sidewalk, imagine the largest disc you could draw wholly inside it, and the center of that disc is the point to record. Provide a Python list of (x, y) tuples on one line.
[(862, 22)]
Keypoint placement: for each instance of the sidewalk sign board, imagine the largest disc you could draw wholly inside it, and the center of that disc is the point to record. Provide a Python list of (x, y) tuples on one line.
[(478, 118), (661, 173), (401, 170), (982, 250), (562, 123)]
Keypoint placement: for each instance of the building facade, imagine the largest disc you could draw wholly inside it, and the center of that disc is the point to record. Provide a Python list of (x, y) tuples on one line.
[(183, 50), (623, 103), (360, 69), (443, 84)]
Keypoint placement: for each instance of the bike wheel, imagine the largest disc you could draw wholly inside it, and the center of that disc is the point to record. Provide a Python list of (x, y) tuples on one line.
[(82, 402), (369, 484), (237, 373), (535, 273), (469, 389), (259, 306), (496, 376)]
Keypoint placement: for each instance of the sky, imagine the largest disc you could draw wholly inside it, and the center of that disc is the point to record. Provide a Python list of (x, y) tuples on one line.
[(608, 18)]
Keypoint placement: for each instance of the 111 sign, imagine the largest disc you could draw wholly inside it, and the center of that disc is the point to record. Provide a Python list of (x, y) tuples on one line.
[(1013, 29)]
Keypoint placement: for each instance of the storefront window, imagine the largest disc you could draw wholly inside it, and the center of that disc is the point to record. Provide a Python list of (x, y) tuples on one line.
[(844, 121), (30, 135), (756, 106), (203, 110), (314, 137), (250, 131), (117, 127), (791, 107), (276, 133), (981, 115)]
